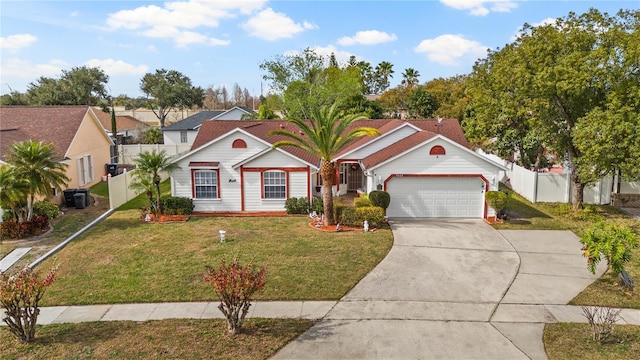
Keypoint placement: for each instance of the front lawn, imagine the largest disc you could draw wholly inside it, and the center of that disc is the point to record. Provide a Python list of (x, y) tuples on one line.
[(164, 339), (123, 260), (569, 341)]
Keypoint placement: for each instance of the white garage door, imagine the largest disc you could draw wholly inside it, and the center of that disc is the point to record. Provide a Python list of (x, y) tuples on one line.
[(434, 197)]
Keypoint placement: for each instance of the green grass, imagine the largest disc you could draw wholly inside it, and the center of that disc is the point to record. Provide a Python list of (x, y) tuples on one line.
[(569, 341), (101, 188), (142, 200), (123, 260), (165, 339)]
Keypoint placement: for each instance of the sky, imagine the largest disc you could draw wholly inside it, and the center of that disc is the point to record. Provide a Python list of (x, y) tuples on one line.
[(217, 43)]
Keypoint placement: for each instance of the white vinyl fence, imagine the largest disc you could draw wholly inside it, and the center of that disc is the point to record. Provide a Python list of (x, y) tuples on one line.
[(551, 187), (119, 190), (128, 153)]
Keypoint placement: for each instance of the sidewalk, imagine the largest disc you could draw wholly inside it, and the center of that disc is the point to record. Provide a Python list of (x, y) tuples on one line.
[(506, 313)]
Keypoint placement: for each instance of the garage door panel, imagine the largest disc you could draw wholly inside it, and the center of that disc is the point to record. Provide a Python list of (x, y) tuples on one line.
[(436, 197)]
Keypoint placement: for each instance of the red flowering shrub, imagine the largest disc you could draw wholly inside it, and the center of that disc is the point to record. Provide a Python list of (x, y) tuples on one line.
[(19, 230), (235, 285), (19, 296)]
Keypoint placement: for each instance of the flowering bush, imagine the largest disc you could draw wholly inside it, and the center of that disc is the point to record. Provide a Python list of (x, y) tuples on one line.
[(20, 295), (235, 285)]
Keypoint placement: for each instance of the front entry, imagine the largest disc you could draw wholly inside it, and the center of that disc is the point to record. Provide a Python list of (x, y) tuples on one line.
[(354, 178)]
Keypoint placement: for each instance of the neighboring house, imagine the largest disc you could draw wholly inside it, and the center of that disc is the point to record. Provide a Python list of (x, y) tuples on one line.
[(128, 127), (425, 165), (185, 131), (75, 132)]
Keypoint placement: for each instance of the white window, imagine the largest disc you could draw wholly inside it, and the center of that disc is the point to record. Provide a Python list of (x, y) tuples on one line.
[(275, 184), (205, 184), (85, 170), (183, 137)]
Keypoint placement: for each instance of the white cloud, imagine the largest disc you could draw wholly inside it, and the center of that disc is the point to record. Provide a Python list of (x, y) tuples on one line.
[(447, 49), (116, 67), (15, 42), (481, 7), (270, 25), (173, 19), (368, 37), (28, 70)]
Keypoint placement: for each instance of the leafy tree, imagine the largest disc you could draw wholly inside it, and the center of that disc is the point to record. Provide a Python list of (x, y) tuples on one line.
[(79, 86), (555, 79), (152, 136), (421, 104), (14, 98), (168, 90), (450, 96), (149, 166), (34, 162), (367, 77), (13, 192), (394, 101), (306, 81), (383, 72), (358, 104), (410, 77), (325, 134), (612, 241)]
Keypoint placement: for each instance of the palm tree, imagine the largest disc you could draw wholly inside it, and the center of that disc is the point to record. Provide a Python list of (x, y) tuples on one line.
[(410, 77), (150, 165), (34, 162), (13, 192), (384, 71), (324, 135)]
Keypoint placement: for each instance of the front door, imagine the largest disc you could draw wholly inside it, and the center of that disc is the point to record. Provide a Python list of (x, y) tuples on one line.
[(354, 178)]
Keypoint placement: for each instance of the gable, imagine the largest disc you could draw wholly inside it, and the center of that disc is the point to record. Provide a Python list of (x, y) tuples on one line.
[(89, 136)]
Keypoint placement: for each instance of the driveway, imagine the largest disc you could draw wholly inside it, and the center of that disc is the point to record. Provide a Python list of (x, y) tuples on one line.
[(452, 289)]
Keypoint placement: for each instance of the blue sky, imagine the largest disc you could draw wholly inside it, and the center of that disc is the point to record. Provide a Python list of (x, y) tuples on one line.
[(218, 43)]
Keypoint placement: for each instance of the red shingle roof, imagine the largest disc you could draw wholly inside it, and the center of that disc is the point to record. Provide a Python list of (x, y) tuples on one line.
[(55, 124), (450, 128)]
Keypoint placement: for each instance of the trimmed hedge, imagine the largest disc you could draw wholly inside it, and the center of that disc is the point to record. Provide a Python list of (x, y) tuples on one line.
[(176, 205), (380, 198), (46, 208), (362, 201), (297, 205), (355, 216)]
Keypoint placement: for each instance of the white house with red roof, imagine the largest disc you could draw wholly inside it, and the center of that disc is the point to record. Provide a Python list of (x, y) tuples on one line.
[(426, 166)]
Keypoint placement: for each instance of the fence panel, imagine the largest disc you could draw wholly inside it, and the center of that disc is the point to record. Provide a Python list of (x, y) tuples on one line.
[(630, 187), (128, 153), (523, 181), (120, 191), (553, 188)]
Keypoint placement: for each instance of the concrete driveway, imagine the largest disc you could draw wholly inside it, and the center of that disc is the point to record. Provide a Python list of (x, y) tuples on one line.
[(452, 289)]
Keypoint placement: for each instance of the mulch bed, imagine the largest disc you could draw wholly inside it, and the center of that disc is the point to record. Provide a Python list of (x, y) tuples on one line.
[(332, 228)]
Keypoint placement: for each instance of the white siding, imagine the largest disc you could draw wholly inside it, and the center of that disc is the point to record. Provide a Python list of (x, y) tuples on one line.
[(275, 158), (222, 152), (456, 161), (382, 142), (173, 137), (232, 114)]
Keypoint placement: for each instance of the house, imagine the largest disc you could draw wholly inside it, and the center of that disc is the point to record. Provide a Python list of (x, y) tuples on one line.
[(128, 127), (425, 165), (185, 131), (75, 132)]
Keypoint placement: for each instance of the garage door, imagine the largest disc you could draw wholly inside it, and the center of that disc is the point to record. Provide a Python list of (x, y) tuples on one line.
[(433, 197)]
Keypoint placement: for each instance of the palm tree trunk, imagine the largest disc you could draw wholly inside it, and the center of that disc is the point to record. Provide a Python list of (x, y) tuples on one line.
[(327, 172)]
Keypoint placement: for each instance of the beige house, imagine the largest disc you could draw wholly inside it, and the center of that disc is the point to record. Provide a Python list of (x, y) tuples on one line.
[(75, 132)]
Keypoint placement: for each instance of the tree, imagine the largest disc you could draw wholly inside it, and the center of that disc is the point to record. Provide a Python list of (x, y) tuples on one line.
[(554, 80), (410, 77), (383, 72), (79, 86), (367, 77), (168, 90), (306, 81), (420, 104), (450, 96), (325, 134), (13, 193), (149, 166), (394, 101), (34, 162), (14, 98)]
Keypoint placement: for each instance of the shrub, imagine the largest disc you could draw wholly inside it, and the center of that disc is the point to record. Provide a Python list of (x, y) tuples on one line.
[(362, 201), (177, 205), (373, 214), (297, 205), (612, 241), (235, 285), (20, 295), (380, 198), (496, 199), (317, 205), (15, 230), (345, 215), (601, 320), (46, 208)]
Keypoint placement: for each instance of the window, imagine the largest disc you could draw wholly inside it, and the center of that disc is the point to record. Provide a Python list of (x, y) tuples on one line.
[(183, 137), (85, 170), (275, 184), (205, 184)]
